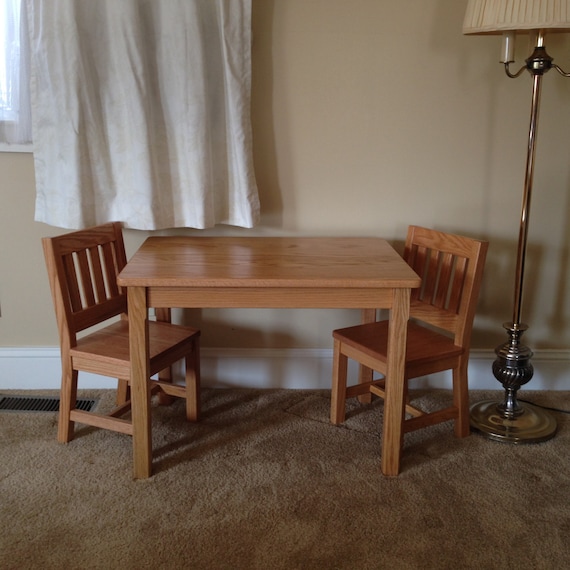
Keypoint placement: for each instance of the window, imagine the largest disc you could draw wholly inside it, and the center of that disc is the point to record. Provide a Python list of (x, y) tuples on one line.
[(9, 60), (15, 124)]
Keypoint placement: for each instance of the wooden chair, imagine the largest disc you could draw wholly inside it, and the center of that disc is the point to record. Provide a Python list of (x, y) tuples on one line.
[(439, 330), (82, 268)]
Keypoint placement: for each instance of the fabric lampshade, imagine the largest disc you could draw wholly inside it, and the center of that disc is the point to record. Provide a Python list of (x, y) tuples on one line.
[(499, 16)]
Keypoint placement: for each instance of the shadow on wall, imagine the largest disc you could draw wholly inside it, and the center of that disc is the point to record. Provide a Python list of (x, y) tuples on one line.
[(558, 319), (228, 332), (262, 114), (497, 292)]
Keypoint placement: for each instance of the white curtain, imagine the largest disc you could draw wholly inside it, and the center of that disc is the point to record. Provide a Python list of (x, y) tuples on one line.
[(141, 112)]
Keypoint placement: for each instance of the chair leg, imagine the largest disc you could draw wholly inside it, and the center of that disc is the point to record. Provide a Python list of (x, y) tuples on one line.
[(461, 399), (338, 392), (165, 376), (193, 384), (67, 402), (123, 391), (366, 374), (164, 315)]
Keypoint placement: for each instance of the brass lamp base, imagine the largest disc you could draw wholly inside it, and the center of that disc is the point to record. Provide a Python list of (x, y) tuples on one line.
[(530, 424)]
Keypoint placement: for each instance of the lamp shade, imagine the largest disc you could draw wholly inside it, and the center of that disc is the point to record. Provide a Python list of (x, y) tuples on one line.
[(499, 16)]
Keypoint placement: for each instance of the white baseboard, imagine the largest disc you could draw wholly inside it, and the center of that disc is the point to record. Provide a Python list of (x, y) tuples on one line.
[(39, 368)]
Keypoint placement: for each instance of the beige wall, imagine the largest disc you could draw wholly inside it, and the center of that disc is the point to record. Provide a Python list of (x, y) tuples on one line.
[(368, 115)]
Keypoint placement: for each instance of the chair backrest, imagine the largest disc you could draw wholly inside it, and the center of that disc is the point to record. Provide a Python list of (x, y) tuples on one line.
[(451, 268), (82, 269)]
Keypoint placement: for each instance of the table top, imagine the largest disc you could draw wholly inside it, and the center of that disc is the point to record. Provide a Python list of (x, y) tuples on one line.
[(185, 261)]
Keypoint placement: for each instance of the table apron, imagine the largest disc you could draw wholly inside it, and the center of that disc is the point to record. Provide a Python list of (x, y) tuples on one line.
[(270, 297)]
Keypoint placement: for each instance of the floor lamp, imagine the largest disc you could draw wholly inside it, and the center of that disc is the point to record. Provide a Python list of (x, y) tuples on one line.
[(513, 421)]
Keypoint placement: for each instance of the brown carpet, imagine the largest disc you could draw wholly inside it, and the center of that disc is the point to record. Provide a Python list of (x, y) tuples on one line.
[(265, 482)]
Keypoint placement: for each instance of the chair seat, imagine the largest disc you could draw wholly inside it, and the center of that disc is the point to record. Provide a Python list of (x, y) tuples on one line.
[(423, 346), (109, 347)]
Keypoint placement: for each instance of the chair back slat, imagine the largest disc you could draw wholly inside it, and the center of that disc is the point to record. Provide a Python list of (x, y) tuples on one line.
[(429, 279), (445, 271), (73, 288), (417, 259), (85, 278), (111, 266), (83, 268), (457, 282), (451, 269), (97, 276)]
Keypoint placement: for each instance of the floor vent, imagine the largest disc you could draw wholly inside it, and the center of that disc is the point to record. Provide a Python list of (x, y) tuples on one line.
[(38, 404)]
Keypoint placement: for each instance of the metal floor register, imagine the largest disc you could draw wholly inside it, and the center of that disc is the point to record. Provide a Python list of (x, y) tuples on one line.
[(39, 404)]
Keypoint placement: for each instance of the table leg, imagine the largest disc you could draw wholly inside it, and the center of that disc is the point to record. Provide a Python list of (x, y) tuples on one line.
[(365, 374), (392, 433), (140, 387)]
